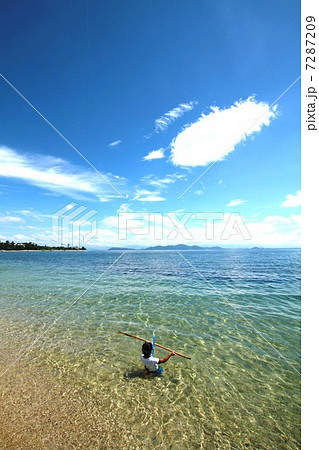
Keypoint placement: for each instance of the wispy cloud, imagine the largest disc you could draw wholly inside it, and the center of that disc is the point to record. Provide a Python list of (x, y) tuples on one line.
[(157, 183), (115, 143), (292, 200), (162, 183), (213, 136), (57, 175), (155, 154), (30, 213), (166, 119), (236, 202), (143, 195), (10, 219)]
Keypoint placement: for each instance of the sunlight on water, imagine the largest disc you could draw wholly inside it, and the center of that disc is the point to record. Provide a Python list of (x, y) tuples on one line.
[(236, 392)]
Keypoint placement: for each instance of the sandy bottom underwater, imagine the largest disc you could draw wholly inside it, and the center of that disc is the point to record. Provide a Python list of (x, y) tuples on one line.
[(45, 407)]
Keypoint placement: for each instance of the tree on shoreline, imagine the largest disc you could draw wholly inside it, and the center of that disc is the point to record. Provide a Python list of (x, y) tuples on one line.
[(7, 245)]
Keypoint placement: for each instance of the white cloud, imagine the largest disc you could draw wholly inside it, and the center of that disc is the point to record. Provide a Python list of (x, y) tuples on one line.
[(143, 195), (292, 200), (296, 218), (213, 136), (108, 197), (125, 207), (236, 202), (151, 198), (115, 143), (276, 231), (162, 183), (30, 213), (166, 119), (272, 231), (57, 175), (10, 219), (155, 154)]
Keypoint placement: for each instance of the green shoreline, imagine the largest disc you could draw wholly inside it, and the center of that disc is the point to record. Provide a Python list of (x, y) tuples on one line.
[(46, 250), (31, 246)]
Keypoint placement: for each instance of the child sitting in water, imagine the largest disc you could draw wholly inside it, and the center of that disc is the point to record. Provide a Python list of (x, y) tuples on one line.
[(151, 362)]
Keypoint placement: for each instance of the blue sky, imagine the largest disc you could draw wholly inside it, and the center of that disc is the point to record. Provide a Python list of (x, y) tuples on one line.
[(151, 94)]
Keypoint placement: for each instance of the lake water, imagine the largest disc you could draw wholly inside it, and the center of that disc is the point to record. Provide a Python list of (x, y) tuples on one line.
[(73, 384)]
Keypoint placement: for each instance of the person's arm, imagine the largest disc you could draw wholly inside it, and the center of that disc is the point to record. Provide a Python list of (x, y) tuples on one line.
[(162, 361)]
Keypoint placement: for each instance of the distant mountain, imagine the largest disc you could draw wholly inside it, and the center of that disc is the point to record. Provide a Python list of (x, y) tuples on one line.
[(181, 247), (168, 247)]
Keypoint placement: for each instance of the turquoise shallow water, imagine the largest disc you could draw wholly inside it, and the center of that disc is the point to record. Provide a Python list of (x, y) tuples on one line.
[(236, 392)]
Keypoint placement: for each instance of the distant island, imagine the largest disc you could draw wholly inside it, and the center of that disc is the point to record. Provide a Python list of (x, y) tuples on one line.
[(25, 246), (170, 247), (181, 247)]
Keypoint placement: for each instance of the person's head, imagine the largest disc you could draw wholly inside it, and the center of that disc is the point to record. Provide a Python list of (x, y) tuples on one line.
[(147, 348)]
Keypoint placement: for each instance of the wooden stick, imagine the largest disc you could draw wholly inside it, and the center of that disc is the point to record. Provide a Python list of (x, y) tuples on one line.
[(157, 345)]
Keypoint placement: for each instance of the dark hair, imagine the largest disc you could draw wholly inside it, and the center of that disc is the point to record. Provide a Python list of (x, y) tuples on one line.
[(147, 348)]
